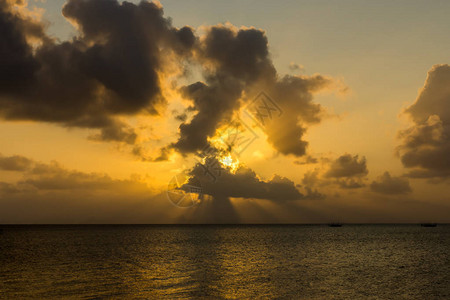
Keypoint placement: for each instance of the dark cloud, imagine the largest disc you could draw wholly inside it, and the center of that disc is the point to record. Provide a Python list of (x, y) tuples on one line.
[(347, 166), (294, 95), (314, 194), (243, 183), (237, 65), (433, 98), (113, 67), (242, 54), (163, 155), (391, 185), (110, 69), (15, 163), (311, 178), (308, 159), (8, 188), (116, 131), (346, 172), (350, 183), (215, 104), (16, 55), (233, 60), (426, 145), (181, 117)]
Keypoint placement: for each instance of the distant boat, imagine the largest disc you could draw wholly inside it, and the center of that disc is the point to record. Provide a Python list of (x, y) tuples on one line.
[(335, 225), (428, 224)]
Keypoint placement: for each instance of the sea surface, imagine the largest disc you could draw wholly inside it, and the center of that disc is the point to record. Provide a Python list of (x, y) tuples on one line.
[(225, 262)]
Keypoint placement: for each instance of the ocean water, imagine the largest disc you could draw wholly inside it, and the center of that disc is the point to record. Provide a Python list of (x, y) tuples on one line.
[(225, 262)]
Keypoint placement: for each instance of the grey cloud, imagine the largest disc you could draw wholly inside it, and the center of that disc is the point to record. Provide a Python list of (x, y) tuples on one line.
[(237, 64), (311, 178), (139, 152), (347, 166), (43, 177), (16, 57), (241, 53), (314, 194), (8, 188), (350, 183), (433, 98), (294, 94), (346, 172), (15, 163), (110, 69), (215, 104), (62, 179), (307, 160), (181, 117), (391, 185), (244, 183), (54, 194), (116, 132), (233, 59), (426, 145)]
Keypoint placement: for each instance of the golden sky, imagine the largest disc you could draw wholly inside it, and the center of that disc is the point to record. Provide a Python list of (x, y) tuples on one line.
[(244, 112)]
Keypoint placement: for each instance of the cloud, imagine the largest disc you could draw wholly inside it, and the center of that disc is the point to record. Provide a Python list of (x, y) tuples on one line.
[(116, 66), (50, 193), (307, 160), (232, 60), (116, 131), (296, 67), (220, 183), (243, 183), (15, 163), (391, 185), (111, 68), (294, 95), (163, 155), (44, 177), (347, 166), (54, 194), (346, 172), (214, 104), (237, 66), (426, 145), (53, 176), (350, 183)]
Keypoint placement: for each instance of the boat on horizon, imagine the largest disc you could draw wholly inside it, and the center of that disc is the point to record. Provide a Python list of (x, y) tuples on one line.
[(428, 225)]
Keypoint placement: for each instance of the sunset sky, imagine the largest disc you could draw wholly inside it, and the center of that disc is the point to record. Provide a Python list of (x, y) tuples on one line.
[(104, 103)]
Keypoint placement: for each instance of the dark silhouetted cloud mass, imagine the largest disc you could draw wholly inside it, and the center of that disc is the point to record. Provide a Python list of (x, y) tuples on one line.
[(425, 146), (244, 183), (391, 185), (347, 166), (110, 69)]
